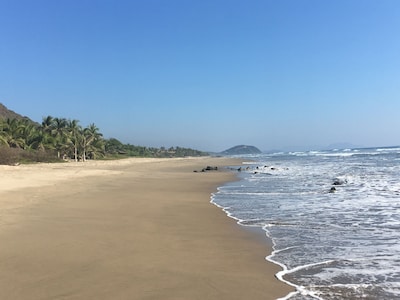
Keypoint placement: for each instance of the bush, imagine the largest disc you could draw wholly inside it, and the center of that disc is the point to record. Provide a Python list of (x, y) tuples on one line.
[(9, 156), (12, 156)]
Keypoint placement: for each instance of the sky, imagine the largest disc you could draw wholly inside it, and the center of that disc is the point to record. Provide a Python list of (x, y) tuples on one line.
[(209, 74)]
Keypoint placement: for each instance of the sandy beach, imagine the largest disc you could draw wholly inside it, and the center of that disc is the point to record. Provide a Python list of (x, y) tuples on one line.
[(129, 229)]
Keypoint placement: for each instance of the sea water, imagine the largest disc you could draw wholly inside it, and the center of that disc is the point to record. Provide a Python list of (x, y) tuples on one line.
[(331, 244)]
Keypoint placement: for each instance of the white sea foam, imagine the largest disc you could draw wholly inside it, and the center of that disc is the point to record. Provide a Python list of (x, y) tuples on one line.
[(326, 243), (396, 149)]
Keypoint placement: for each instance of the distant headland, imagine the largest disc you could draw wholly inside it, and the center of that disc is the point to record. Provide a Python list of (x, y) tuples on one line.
[(241, 149)]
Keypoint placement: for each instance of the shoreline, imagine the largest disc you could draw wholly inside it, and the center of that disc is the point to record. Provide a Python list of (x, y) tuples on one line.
[(140, 228)]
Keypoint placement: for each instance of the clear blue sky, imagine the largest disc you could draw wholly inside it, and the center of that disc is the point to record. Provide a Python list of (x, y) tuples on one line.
[(208, 74)]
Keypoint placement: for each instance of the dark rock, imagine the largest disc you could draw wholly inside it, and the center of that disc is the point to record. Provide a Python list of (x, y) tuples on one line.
[(209, 168), (338, 181)]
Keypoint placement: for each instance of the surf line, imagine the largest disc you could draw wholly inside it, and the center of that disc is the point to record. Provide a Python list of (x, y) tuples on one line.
[(299, 289)]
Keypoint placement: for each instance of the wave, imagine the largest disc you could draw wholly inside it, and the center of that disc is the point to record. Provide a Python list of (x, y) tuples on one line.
[(302, 290), (267, 194), (325, 243), (389, 149)]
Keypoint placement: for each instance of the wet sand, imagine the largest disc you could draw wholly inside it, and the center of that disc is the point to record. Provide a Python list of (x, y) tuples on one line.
[(129, 229)]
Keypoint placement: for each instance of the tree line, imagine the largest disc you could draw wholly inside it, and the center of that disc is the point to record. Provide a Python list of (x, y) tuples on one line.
[(63, 138)]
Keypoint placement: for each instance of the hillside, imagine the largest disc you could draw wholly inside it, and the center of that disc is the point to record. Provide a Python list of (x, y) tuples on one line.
[(6, 113), (241, 149)]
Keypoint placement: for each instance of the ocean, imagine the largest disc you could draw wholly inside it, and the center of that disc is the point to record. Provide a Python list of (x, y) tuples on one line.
[(333, 218)]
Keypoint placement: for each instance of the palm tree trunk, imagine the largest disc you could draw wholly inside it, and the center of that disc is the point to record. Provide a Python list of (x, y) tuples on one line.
[(76, 152)]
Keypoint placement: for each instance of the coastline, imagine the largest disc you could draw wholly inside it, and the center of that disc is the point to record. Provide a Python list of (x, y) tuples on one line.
[(131, 229)]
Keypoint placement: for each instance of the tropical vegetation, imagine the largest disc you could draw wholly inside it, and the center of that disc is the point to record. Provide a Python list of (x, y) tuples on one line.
[(61, 138)]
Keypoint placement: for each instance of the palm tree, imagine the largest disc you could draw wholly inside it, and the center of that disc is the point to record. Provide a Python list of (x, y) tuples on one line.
[(97, 148), (30, 134), (74, 135), (60, 132), (38, 139), (65, 136), (47, 124), (3, 133), (12, 133), (89, 135)]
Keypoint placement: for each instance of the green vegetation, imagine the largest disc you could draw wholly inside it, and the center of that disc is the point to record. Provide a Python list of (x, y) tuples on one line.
[(241, 149), (57, 139)]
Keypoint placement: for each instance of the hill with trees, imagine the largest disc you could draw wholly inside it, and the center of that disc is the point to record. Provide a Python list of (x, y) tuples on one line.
[(5, 113), (55, 138), (241, 150)]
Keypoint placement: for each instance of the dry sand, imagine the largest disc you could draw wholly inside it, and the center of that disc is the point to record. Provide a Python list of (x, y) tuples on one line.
[(129, 229)]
